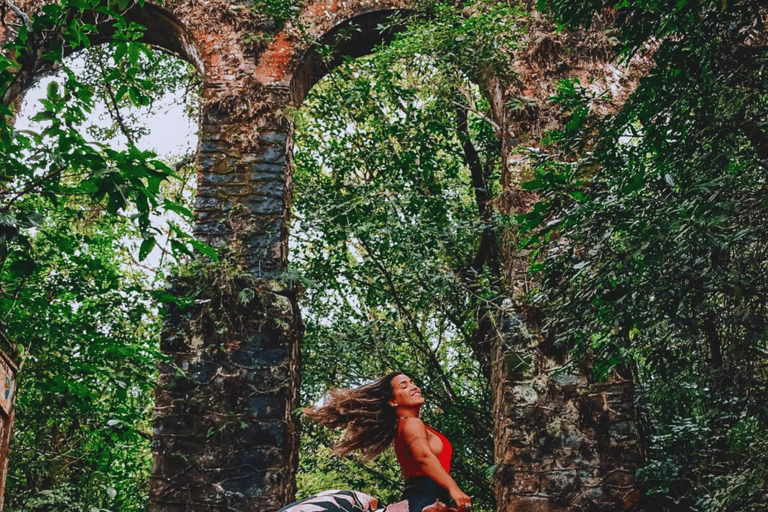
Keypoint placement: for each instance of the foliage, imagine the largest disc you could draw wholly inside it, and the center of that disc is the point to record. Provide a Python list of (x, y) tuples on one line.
[(279, 11), (163, 75), (76, 216), (319, 471), (388, 229), (475, 38), (82, 432), (58, 163), (652, 247)]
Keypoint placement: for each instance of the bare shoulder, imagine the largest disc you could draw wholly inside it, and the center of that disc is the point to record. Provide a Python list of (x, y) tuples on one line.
[(412, 428)]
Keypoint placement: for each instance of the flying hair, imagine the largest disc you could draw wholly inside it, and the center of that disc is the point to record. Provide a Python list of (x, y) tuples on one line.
[(365, 414)]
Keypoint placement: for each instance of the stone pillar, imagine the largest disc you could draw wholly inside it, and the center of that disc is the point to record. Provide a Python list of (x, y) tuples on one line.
[(564, 443), (225, 437)]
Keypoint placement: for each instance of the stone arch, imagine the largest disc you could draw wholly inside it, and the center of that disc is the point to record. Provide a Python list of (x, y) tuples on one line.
[(310, 68), (163, 29), (225, 436), (290, 59)]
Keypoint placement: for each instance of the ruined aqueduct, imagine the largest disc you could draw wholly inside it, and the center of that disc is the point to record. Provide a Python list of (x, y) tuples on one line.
[(244, 162)]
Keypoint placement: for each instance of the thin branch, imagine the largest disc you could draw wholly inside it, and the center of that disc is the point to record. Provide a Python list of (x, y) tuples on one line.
[(21, 14), (31, 186), (412, 322), (112, 103)]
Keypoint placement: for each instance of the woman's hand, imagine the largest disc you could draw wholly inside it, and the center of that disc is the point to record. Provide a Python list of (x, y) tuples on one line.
[(463, 503), (438, 506)]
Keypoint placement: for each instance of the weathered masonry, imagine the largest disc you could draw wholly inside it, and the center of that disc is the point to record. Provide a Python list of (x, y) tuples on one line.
[(225, 437)]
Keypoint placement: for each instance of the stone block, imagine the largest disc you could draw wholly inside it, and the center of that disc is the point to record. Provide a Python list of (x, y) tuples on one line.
[(212, 240), (264, 357), (265, 407), (258, 457), (561, 483), (572, 441), (264, 205), (201, 373), (244, 483), (622, 431), (272, 155), (567, 379), (273, 137), (212, 228), (208, 190), (264, 239), (267, 433), (241, 358), (212, 178), (209, 215), (212, 146), (270, 188), (619, 478), (594, 494), (205, 160), (211, 203), (264, 176), (525, 394), (264, 168)]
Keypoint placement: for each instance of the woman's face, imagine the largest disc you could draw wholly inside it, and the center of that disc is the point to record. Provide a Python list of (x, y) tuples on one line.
[(405, 393)]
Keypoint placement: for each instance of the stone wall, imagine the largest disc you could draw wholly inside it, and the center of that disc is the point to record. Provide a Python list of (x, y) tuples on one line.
[(225, 437)]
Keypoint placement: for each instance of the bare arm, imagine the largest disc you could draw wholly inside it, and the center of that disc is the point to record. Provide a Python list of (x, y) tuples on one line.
[(415, 436)]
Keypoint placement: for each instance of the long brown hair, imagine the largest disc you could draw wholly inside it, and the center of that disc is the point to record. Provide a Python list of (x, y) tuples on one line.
[(364, 412)]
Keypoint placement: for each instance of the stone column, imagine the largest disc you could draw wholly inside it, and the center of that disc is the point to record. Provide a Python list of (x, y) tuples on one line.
[(225, 438), (564, 443)]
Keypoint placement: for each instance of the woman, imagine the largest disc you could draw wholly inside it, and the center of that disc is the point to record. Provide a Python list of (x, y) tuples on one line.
[(386, 411)]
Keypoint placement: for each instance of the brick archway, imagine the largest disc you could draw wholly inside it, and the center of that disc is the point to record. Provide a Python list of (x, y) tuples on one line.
[(163, 29), (224, 435)]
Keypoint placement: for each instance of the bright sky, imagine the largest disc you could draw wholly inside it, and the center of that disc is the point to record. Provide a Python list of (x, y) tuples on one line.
[(171, 132)]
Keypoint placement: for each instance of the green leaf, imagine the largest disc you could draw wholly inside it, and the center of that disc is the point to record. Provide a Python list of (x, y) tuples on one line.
[(177, 208), (22, 268), (578, 195), (179, 248), (121, 48), (135, 96), (29, 219), (146, 247), (205, 249), (133, 53)]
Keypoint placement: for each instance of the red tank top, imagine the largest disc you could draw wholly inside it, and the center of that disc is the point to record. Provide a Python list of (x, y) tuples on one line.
[(409, 466)]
